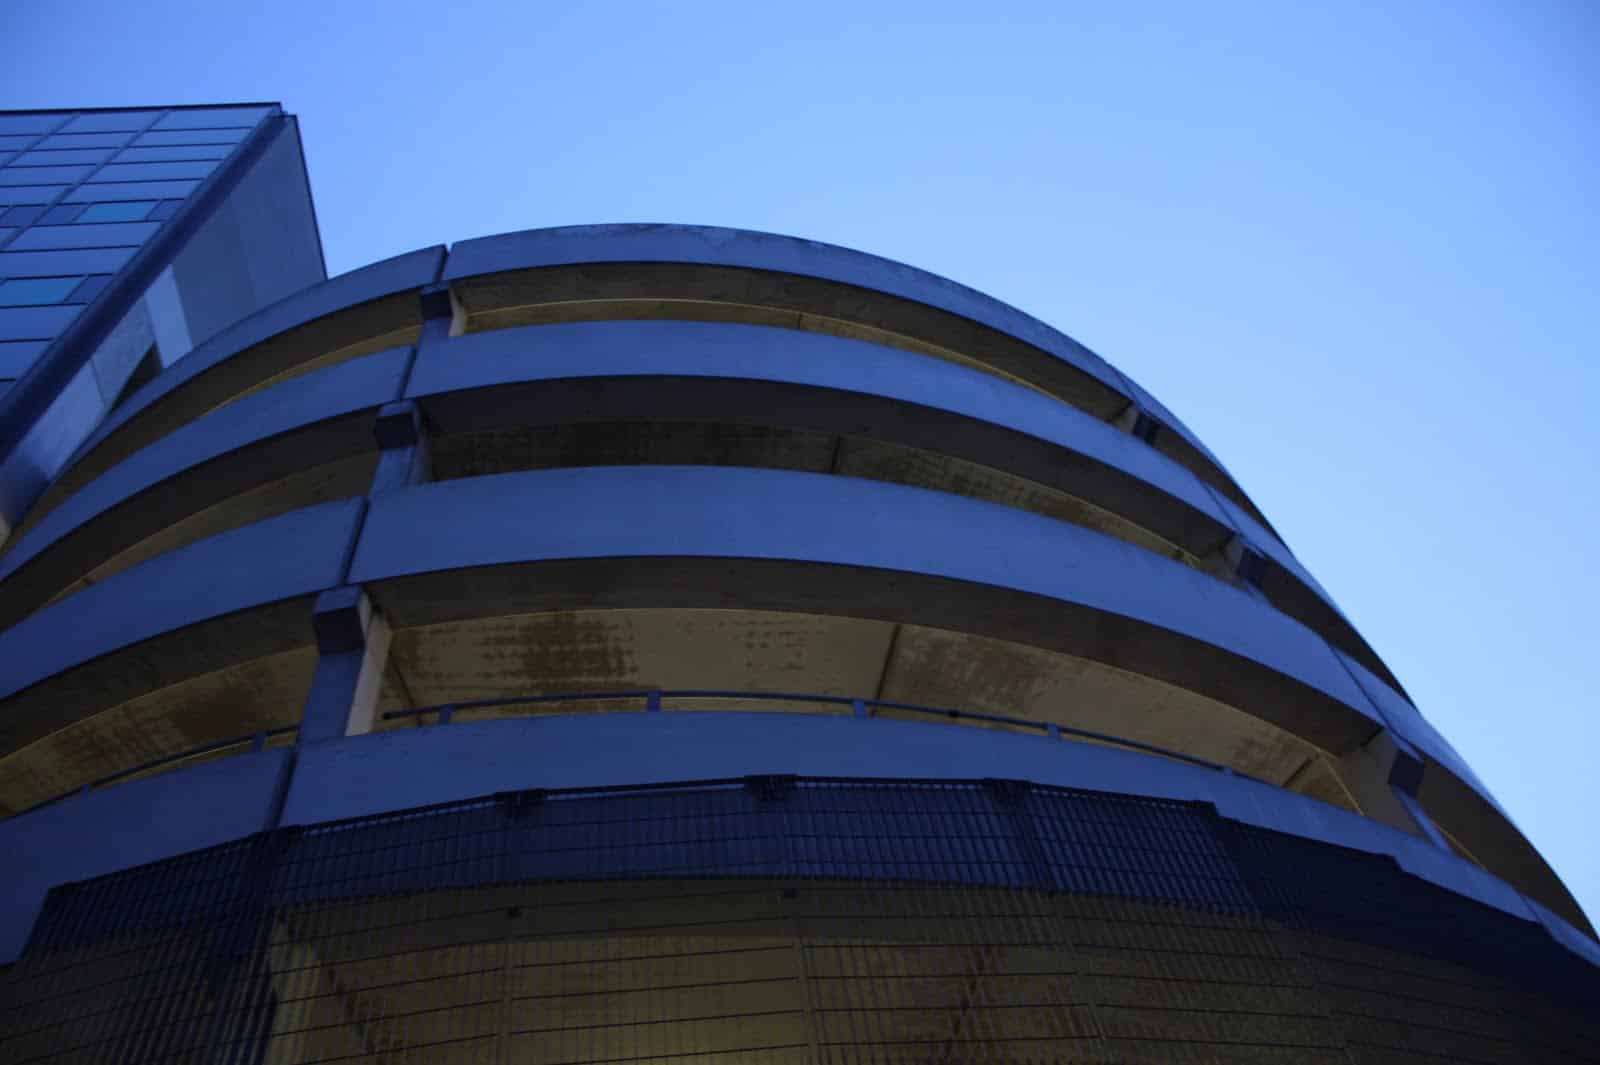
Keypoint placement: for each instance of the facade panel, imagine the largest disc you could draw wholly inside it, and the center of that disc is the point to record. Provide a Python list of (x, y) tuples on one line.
[(94, 223)]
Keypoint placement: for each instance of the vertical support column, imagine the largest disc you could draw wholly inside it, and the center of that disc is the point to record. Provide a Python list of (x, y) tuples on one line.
[(352, 636), (1137, 422), (404, 458), (402, 437), (1245, 566), (1384, 776), (353, 649)]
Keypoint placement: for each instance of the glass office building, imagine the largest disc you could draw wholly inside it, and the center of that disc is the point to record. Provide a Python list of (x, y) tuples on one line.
[(671, 644), (125, 237)]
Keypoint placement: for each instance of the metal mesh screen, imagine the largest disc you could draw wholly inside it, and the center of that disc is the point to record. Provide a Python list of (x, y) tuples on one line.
[(775, 920)]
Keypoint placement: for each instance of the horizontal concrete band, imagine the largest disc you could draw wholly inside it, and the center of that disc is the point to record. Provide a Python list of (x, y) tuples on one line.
[(766, 539), (473, 382), (466, 378), (377, 301), (146, 627), (876, 550), (204, 806), (714, 245), (475, 262), (660, 370), (274, 433), (718, 246)]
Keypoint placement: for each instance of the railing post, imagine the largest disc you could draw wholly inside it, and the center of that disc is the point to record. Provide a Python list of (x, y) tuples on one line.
[(860, 708), (652, 702), (446, 713), (1052, 730)]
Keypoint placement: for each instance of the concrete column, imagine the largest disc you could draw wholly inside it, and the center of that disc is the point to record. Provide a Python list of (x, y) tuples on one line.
[(353, 650), (399, 428), (1383, 776), (404, 459), (1247, 565), (1136, 422)]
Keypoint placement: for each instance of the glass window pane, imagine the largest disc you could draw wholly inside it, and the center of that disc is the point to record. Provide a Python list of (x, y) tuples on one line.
[(173, 153), (104, 235), (59, 263), (153, 171), (126, 211), (89, 289), (38, 123), (62, 157), (24, 215), (35, 175), (190, 136), (17, 355), (85, 140), (20, 291), (61, 214), (109, 121), (213, 117), (35, 323), (30, 194), (147, 190)]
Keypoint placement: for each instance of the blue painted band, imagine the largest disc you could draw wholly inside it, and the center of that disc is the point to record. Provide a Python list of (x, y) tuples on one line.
[(342, 389), (685, 512), (714, 245)]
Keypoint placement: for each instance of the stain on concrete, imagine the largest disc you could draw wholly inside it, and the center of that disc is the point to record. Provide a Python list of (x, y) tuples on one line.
[(261, 694)]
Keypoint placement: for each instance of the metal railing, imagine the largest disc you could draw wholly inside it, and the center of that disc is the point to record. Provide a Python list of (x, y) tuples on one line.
[(444, 713), (256, 740)]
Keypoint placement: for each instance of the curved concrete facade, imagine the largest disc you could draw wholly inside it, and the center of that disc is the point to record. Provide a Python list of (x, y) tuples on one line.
[(625, 459)]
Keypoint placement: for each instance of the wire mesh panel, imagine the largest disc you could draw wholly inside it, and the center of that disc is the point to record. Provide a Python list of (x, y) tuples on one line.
[(776, 920)]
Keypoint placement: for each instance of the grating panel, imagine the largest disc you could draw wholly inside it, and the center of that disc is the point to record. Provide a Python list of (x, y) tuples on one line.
[(783, 920)]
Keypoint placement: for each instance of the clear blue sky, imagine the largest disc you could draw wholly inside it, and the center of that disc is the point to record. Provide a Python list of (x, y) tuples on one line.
[(1355, 246)]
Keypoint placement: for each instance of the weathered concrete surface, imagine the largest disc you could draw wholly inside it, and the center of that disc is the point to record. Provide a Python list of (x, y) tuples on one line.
[(570, 539), (747, 650), (214, 604), (761, 447), (250, 696)]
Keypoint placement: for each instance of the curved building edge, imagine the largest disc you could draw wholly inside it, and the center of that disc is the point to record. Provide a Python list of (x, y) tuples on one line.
[(431, 347)]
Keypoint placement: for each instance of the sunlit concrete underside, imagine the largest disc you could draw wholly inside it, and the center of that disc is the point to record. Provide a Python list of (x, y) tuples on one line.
[(732, 650)]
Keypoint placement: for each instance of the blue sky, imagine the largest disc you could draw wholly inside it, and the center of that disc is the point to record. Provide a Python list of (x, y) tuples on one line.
[(1353, 245)]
